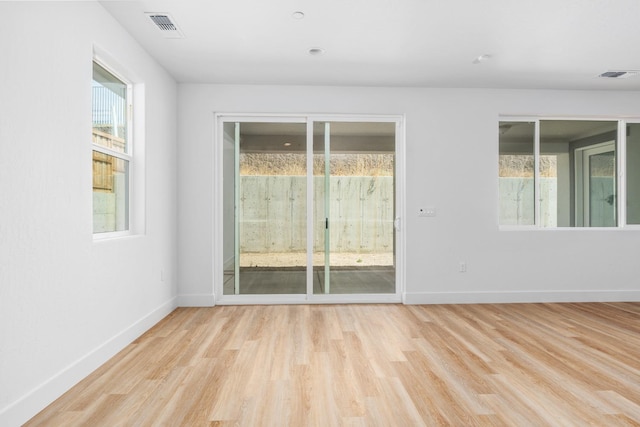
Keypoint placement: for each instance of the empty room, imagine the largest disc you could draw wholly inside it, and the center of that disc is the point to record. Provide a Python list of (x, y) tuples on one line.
[(392, 213)]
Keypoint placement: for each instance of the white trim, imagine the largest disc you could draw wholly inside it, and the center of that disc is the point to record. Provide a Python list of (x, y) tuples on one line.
[(110, 235), (271, 299), (137, 172), (503, 297), (262, 118), (114, 66), (355, 298), (21, 410)]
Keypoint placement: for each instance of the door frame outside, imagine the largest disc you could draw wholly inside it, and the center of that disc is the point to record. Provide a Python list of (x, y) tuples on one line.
[(309, 297)]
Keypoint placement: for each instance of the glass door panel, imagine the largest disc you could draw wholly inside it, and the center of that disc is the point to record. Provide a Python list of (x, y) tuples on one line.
[(600, 188), (321, 193), (354, 235), (596, 195), (270, 199)]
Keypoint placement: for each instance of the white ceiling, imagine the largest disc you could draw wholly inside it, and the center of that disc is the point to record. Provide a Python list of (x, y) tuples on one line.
[(544, 44)]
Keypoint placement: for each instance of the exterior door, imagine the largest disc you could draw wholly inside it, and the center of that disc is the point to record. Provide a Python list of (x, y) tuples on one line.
[(308, 210)]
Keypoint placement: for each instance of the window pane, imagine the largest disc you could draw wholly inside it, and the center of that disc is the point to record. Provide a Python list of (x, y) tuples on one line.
[(109, 108), (355, 236), (516, 173), (271, 190), (549, 189), (579, 189), (602, 189), (633, 173), (110, 193)]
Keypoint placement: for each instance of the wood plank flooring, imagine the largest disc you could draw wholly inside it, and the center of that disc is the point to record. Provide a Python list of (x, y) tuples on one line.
[(370, 365)]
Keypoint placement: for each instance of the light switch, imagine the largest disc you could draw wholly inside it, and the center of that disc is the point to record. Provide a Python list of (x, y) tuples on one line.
[(427, 212)]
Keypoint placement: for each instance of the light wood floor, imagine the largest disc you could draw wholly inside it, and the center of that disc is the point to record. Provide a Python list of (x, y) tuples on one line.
[(370, 365)]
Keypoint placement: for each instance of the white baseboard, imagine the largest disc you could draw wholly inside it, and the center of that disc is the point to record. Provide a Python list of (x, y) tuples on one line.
[(197, 300), (519, 297), (23, 409)]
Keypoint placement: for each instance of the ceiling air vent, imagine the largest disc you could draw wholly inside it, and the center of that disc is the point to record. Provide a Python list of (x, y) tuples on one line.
[(166, 25), (620, 74)]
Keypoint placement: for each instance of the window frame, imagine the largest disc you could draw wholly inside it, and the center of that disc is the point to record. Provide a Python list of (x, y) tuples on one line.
[(621, 168), (127, 155)]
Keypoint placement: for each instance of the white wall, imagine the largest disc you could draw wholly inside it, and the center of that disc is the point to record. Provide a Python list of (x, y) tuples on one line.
[(68, 303), (451, 136)]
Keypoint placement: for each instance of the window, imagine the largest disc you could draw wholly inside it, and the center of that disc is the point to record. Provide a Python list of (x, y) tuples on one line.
[(111, 141), (633, 173), (565, 173)]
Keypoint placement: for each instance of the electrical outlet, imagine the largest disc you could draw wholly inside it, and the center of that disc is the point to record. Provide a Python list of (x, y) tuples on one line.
[(462, 267)]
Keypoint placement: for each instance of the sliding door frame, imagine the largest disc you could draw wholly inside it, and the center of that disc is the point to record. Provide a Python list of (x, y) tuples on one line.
[(309, 297)]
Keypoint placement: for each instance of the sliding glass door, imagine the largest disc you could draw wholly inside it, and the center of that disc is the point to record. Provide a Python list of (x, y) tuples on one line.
[(354, 186), (308, 207)]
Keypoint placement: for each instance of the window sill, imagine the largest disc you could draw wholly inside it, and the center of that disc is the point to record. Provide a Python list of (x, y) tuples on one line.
[(114, 235)]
